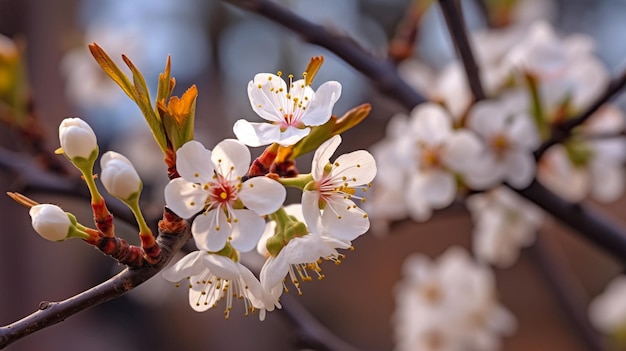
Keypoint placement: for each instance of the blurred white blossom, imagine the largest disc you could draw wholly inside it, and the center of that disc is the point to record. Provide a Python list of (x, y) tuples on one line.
[(510, 137), (591, 163), (504, 223), (607, 311), (448, 304), (433, 154)]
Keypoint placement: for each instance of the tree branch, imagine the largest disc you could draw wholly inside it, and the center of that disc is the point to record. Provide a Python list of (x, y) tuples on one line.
[(456, 26), (382, 72), (563, 130), (173, 234)]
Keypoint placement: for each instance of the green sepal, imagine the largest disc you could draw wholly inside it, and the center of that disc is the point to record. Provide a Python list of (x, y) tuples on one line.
[(75, 231), (85, 165), (299, 181), (228, 251), (537, 108), (579, 152)]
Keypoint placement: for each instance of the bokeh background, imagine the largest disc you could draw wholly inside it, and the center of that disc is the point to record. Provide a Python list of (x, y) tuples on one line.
[(220, 48)]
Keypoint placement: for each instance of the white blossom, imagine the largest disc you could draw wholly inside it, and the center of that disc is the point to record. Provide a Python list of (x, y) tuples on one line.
[(290, 110), (334, 185), (300, 255), (77, 138), (211, 182), (510, 137), (565, 68), (50, 221), (607, 311), (503, 224), (448, 304), (591, 163), (119, 176), (433, 153), (212, 277)]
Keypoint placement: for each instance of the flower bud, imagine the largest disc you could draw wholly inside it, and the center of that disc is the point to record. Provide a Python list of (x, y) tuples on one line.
[(77, 138), (119, 176), (51, 222)]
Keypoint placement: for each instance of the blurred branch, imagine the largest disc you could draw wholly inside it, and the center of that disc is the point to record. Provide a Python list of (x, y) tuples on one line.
[(382, 73), (311, 333), (50, 313), (566, 290), (33, 178), (592, 225), (563, 130), (402, 45), (456, 26)]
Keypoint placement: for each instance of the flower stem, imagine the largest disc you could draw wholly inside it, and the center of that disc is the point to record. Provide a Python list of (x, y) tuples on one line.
[(148, 242), (299, 181)]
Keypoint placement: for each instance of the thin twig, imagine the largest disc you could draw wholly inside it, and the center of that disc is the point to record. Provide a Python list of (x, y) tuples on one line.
[(50, 313), (382, 73), (567, 292), (456, 26), (402, 45), (563, 130)]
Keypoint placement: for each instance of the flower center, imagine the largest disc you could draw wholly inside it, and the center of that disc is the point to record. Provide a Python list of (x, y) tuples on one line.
[(430, 157), (291, 103), (221, 192), (500, 144)]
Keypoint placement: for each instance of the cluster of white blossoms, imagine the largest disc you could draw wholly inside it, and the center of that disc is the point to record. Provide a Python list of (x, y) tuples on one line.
[(454, 148), (234, 211), (449, 304), (534, 80), (236, 204)]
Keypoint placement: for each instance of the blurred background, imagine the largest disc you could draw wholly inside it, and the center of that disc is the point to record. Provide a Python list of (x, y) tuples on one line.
[(220, 48)]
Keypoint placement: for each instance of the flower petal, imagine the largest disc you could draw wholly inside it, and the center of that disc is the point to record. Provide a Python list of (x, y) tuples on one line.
[(211, 230), (187, 266), (607, 182), (347, 223), (520, 169), (292, 135), (184, 198), (487, 118), (256, 134), (274, 270), (321, 107), (461, 150), (437, 188), (246, 230), (322, 156), (223, 267), (261, 92), (231, 154), (262, 195), (310, 210), (430, 123), (192, 162), (359, 167)]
